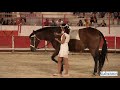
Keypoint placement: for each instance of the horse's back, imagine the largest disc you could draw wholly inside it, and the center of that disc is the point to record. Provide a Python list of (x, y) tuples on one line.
[(89, 30), (88, 33), (89, 37)]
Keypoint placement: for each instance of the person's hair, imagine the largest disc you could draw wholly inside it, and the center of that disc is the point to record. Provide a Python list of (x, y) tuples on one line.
[(67, 30)]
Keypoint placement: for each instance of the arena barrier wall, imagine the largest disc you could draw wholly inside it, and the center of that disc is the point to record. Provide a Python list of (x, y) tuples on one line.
[(23, 42)]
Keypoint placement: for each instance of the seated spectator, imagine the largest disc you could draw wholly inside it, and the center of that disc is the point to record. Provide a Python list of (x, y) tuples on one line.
[(101, 14), (14, 22), (11, 21), (116, 14), (86, 23), (59, 22), (118, 19), (5, 22), (80, 23), (46, 23), (103, 24), (1, 21), (93, 19), (53, 23)]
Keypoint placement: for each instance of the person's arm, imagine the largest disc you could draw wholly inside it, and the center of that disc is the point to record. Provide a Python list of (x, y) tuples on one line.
[(62, 41)]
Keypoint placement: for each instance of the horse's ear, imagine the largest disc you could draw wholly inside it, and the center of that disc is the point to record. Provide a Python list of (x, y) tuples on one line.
[(33, 30)]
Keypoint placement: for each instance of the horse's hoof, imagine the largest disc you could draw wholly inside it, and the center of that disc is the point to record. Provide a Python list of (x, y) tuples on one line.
[(98, 74), (95, 74)]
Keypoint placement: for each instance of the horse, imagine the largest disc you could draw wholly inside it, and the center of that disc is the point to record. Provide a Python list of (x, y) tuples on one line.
[(89, 38)]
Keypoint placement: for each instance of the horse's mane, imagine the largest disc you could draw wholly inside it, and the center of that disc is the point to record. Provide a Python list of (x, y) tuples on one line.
[(50, 29), (46, 28)]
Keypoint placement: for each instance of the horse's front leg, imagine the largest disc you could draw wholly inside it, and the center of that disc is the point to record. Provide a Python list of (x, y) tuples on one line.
[(53, 58)]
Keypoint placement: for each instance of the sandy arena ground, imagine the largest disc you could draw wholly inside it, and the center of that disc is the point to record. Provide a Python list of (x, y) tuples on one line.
[(39, 65)]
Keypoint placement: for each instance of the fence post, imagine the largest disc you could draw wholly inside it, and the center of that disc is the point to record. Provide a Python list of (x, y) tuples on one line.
[(115, 43), (109, 23), (13, 43), (42, 21), (46, 45)]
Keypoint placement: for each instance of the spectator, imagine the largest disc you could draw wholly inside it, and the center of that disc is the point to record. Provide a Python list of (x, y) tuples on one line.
[(12, 22), (86, 23), (118, 19), (9, 22), (53, 23), (5, 22), (116, 14), (46, 23), (103, 24), (101, 14), (23, 21), (93, 19), (59, 22), (1, 21), (80, 23)]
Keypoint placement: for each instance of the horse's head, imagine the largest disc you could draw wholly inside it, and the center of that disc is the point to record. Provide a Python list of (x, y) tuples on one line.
[(46, 33), (32, 41)]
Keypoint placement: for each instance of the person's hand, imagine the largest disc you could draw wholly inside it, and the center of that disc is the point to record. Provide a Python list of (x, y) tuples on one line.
[(56, 39), (55, 33)]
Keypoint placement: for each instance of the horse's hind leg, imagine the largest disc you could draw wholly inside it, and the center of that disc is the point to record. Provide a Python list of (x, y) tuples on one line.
[(53, 56), (100, 65)]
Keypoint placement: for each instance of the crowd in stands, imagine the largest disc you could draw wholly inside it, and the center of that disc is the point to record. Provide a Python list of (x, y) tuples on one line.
[(91, 22), (91, 18), (84, 19), (114, 15), (54, 22), (12, 21)]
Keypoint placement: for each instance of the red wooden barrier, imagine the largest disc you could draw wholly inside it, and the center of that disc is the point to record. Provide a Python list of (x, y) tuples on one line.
[(118, 42), (111, 42), (5, 41), (8, 33), (21, 42), (24, 42)]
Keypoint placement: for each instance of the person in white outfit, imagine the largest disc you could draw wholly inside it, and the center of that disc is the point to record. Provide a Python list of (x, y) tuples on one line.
[(64, 51)]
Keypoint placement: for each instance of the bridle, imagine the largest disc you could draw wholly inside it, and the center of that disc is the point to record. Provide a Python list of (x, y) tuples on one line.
[(35, 37)]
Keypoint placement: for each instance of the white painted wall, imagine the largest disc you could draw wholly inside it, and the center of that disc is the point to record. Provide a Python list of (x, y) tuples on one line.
[(26, 30), (9, 27)]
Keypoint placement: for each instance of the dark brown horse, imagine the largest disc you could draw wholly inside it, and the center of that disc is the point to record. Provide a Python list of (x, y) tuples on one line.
[(89, 38)]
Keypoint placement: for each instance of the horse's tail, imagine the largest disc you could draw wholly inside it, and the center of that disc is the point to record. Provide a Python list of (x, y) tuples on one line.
[(103, 54)]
